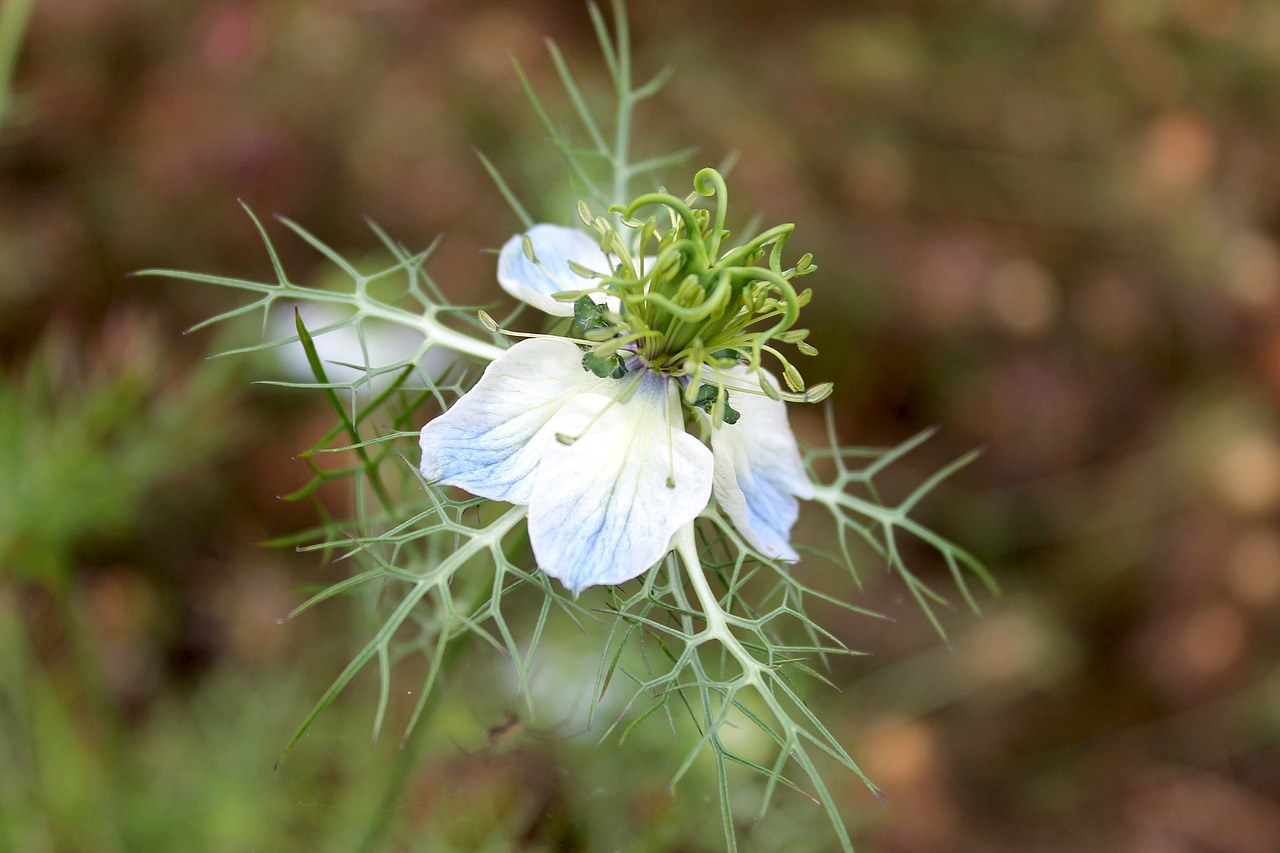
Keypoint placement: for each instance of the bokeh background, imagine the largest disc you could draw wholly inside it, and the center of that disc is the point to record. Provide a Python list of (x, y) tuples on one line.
[(1049, 228)]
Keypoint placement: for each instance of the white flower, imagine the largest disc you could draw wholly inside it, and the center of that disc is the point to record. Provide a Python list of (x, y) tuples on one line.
[(373, 352), (605, 465)]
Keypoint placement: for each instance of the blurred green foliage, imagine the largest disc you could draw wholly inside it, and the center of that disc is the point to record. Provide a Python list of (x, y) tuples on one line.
[(87, 433), (13, 25)]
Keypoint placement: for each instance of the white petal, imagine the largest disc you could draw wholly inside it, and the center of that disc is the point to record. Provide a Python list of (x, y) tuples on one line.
[(758, 472), (489, 441), (604, 508), (554, 246), (342, 349)]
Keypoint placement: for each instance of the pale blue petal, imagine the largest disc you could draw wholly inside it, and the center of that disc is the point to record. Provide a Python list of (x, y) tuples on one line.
[(604, 507), (489, 441), (553, 246), (758, 472), (348, 356)]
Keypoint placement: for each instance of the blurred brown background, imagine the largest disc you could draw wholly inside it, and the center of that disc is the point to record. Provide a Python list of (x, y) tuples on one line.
[(1048, 227)]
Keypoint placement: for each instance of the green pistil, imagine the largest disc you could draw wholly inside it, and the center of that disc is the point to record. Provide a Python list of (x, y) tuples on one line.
[(694, 307)]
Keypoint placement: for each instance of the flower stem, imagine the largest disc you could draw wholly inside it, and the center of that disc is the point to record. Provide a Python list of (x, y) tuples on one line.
[(717, 620), (762, 679)]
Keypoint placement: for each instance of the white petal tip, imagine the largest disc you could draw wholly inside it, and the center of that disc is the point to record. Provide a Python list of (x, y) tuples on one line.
[(536, 280)]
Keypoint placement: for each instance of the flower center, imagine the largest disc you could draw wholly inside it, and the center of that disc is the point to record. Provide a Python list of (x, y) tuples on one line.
[(684, 299)]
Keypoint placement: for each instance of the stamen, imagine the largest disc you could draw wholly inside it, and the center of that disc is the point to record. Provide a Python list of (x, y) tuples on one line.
[(671, 450), (492, 325), (628, 389)]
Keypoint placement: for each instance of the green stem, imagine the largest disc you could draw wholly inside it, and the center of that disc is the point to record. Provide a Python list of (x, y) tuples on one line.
[(430, 327), (717, 620), (757, 676), (626, 103)]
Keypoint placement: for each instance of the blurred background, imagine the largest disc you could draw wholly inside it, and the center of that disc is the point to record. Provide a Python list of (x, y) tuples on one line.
[(1050, 228)]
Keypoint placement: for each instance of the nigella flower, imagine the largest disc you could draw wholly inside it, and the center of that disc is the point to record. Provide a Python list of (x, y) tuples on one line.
[(591, 432)]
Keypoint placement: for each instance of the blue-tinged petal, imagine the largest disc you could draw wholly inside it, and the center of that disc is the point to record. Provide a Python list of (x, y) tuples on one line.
[(604, 508), (553, 247), (758, 472), (489, 442)]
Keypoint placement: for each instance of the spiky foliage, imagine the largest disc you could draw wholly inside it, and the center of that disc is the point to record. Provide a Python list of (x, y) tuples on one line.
[(714, 637)]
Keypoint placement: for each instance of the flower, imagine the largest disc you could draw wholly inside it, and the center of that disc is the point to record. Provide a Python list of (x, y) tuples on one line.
[(368, 352), (595, 443)]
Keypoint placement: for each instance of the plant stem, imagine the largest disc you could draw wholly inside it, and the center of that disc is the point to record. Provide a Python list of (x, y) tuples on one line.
[(717, 622)]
